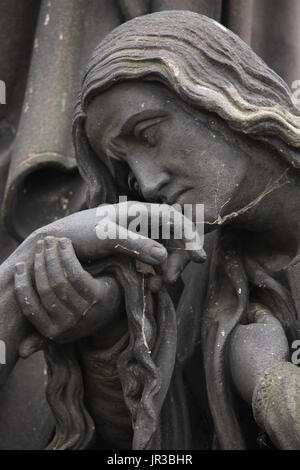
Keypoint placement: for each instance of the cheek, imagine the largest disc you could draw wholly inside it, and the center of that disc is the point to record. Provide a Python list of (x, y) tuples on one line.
[(182, 159), (220, 183), (178, 141), (212, 182), (187, 149)]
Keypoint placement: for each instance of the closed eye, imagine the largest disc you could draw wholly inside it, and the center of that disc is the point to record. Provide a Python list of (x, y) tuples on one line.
[(144, 130), (147, 130)]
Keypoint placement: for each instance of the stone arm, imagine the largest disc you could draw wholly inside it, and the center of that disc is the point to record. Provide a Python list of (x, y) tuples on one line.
[(80, 228), (26, 326), (264, 377), (13, 325), (276, 405)]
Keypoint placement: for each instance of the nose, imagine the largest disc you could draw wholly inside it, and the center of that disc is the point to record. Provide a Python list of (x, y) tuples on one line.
[(152, 190), (151, 181)]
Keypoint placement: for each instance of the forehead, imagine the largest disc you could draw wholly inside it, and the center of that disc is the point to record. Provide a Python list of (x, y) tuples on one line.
[(112, 108)]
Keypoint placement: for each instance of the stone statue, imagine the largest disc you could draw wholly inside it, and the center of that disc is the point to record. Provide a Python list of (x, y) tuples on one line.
[(173, 108)]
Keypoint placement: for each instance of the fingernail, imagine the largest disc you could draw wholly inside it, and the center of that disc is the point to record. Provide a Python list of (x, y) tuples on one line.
[(203, 254), (173, 277), (49, 241), (159, 253), (20, 268), (63, 243), (200, 255)]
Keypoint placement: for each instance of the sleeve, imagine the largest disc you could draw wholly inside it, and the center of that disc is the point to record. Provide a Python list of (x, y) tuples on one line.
[(276, 405)]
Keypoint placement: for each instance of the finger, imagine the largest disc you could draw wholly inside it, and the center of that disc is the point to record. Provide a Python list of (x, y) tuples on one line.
[(174, 265), (28, 300), (142, 248), (119, 239), (80, 279), (58, 280), (33, 343), (170, 216), (55, 309)]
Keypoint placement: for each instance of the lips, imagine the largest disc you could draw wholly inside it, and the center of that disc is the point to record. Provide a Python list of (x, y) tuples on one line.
[(172, 200)]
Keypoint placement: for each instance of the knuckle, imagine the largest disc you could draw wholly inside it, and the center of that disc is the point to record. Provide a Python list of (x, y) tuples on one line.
[(59, 284), (28, 313), (22, 294), (51, 258), (44, 290), (68, 247), (19, 289), (68, 324), (57, 331), (74, 276), (66, 255), (38, 264)]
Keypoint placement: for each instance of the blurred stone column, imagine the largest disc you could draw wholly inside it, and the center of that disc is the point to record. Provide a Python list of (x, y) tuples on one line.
[(43, 182), (211, 8), (17, 26), (238, 16), (276, 36), (132, 8)]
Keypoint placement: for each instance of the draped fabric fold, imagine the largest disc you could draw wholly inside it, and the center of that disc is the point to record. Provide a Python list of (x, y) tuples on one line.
[(226, 308)]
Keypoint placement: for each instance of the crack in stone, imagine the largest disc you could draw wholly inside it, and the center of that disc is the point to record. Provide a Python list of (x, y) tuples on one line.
[(276, 185), (143, 317), (126, 249)]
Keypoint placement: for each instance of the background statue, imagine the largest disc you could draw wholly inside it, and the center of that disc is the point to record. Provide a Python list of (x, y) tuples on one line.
[(238, 154)]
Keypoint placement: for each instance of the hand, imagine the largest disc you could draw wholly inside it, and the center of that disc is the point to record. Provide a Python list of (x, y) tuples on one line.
[(254, 348), (80, 228), (119, 218), (84, 230), (61, 300)]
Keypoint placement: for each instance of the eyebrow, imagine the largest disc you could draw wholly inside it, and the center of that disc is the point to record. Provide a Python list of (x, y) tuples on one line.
[(140, 116), (112, 149)]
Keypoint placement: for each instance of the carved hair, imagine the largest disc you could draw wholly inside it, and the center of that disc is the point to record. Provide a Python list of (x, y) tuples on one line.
[(204, 63), (145, 377)]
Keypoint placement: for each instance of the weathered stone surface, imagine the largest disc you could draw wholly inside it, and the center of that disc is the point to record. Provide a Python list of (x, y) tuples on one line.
[(148, 345)]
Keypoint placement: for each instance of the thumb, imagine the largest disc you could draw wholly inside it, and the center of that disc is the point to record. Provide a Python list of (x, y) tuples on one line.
[(174, 265), (31, 344)]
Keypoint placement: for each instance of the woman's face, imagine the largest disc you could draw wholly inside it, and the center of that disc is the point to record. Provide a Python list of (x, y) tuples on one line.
[(174, 154)]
